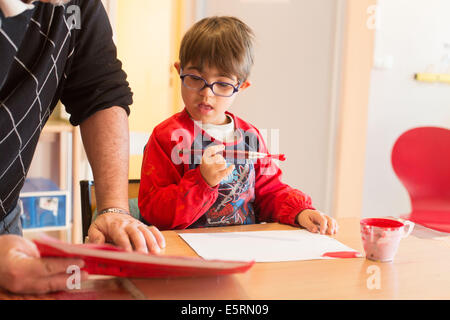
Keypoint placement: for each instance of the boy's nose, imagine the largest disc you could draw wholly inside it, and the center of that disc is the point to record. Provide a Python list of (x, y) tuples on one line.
[(207, 92)]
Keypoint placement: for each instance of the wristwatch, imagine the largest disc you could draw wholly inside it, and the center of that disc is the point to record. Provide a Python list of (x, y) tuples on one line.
[(114, 210)]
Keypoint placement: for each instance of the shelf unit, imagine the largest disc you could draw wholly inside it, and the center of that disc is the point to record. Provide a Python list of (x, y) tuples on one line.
[(71, 232)]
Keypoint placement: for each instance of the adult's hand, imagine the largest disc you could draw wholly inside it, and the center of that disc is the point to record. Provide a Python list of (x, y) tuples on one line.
[(126, 232), (22, 270)]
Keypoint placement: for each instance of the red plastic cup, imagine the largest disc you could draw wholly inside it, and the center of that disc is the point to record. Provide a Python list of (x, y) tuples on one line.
[(381, 237)]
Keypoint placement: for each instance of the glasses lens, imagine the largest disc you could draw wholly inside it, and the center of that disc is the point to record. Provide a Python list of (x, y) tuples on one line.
[(193, 82), (223, 89)]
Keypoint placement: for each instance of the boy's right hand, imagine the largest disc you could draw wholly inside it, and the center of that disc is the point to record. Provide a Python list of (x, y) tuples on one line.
[(214, 167)]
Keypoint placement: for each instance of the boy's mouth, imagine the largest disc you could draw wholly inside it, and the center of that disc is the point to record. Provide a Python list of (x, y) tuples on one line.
[(205, 108)]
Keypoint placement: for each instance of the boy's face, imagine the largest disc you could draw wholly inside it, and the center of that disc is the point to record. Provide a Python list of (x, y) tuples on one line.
[(203, 105)]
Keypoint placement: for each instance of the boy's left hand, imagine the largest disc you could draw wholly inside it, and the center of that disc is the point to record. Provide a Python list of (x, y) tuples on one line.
[(315, 221)]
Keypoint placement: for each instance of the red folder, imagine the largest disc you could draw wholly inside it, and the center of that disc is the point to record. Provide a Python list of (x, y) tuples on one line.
[(110, 260)]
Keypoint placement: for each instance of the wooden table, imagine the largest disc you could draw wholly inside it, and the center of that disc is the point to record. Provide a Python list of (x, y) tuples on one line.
[(420, 271)]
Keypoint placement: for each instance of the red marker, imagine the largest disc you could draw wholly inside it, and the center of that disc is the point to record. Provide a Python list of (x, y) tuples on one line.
[(343, 254), (241, 154)]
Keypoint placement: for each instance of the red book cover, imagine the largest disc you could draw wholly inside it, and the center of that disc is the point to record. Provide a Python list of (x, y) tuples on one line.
[(110, 260)]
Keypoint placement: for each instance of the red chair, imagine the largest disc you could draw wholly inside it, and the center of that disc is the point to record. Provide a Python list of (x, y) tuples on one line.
[(421, 160)]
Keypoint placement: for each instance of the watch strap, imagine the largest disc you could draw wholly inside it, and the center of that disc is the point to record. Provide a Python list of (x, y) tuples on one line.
[(114, 210)]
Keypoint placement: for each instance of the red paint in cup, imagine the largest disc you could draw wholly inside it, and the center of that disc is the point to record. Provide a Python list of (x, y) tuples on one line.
[(381, 237)]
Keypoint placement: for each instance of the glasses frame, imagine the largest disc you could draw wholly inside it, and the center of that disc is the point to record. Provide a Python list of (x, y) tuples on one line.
[(210, 85)]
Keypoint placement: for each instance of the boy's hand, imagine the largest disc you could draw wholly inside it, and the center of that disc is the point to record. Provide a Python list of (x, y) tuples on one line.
[(214, 167), (315, 221)]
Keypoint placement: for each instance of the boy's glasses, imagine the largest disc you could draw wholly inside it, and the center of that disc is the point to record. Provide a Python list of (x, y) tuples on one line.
[(219, 88)]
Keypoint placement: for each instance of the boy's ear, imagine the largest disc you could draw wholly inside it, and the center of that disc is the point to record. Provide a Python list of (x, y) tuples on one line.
[(177, 66), (245, 85)]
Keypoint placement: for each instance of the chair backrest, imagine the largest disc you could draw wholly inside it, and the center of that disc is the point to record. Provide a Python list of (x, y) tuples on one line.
[(89, 204), (421, 160)]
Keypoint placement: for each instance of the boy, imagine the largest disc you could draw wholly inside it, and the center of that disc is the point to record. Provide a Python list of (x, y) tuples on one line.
[(185, 179)]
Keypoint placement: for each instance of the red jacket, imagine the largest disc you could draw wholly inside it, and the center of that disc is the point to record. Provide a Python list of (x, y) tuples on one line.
[(174, 195)]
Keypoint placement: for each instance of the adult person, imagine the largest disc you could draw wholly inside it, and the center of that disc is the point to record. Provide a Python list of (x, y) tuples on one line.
[(47, 54)]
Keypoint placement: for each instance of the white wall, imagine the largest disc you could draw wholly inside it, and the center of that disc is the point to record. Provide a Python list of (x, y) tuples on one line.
[(291, 84), (414, 33), (45, 163)]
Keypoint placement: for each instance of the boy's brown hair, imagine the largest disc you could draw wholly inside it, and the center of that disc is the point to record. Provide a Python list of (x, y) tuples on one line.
[(225, 43)]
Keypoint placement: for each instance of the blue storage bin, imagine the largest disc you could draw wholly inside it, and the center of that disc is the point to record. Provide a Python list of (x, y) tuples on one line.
[(28, 215), (43, 205)]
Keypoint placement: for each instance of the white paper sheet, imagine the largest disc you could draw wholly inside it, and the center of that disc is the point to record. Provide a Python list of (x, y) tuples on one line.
[(263, 246)]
